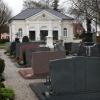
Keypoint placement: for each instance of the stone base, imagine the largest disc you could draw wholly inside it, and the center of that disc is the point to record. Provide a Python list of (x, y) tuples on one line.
[(49, 42)]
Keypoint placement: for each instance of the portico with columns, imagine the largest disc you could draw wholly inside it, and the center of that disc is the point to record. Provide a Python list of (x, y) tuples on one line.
[(37, 24)]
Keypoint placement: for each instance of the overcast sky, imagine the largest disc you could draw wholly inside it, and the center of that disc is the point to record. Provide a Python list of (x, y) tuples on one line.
[(17, 5)]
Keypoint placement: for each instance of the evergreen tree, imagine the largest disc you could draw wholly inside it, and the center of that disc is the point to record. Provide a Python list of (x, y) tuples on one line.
[(55, 5)]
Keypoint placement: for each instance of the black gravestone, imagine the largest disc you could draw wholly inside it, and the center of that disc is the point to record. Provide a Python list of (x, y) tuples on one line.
[(67, 47), (17, 49), (81, 51), (89, 50), (74, 48), (95, 51)]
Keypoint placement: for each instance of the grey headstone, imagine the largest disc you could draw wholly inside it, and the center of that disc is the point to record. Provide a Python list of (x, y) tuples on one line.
[(79, 65), (79, 74), (7, 46), (18, 49), (93, 74), (62, 78), (95, 51)]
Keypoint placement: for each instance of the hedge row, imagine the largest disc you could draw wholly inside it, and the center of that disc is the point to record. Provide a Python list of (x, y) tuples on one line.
[(3, 41), (5, 93)]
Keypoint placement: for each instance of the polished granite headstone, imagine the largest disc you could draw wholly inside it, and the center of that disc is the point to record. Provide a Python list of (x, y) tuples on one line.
[(89, 49), (40, 60), (72, 48), (28, 54), (21, 47), (77, 78)]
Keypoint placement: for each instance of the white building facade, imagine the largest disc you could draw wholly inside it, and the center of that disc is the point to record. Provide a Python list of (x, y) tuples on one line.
[(39, 23)]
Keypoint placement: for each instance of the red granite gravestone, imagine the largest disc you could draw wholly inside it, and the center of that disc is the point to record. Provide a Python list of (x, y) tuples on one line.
[(40, 61), (28, 54), (40, 64), (21, 47)]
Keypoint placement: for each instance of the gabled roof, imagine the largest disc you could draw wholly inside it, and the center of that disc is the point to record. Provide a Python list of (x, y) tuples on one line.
[(32, 11)]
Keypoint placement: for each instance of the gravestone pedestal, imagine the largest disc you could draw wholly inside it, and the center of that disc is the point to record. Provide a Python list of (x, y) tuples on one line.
[(49, 42)]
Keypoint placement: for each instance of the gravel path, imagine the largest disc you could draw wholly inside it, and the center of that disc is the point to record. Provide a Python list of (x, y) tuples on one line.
[(16, 82)]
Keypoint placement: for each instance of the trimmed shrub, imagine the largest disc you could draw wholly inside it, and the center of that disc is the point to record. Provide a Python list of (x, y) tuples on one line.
[(13, 46), (6, 93), (7, 47), (2, 85), (3, 41), (25, 39), (2, 65)]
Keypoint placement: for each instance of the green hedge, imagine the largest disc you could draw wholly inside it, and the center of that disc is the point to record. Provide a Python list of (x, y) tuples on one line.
[(2, 41), (6, 93), (2, 85), (2, 66)]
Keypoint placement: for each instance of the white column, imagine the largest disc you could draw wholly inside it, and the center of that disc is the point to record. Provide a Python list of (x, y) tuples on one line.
[(49, 42), (71, 32), (50, 34), (60, 34), (27, 30), (37, 31), (50, 29)]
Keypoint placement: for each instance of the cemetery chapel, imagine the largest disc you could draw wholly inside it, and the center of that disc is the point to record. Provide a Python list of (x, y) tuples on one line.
[(37, 23)]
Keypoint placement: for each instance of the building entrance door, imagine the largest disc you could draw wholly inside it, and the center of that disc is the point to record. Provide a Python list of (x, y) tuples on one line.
[(32, 35), (43, 34)]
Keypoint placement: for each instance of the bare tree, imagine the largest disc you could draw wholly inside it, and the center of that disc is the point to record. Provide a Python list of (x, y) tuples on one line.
[(34, 4), (5, 13), (51, 4), (55, 4), (88, 10)]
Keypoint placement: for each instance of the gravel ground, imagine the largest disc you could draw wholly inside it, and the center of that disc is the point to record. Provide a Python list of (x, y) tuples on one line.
[(16, 82)]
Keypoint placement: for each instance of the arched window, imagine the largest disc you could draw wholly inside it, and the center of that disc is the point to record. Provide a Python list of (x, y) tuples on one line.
[(20, 32), (65, 32)]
